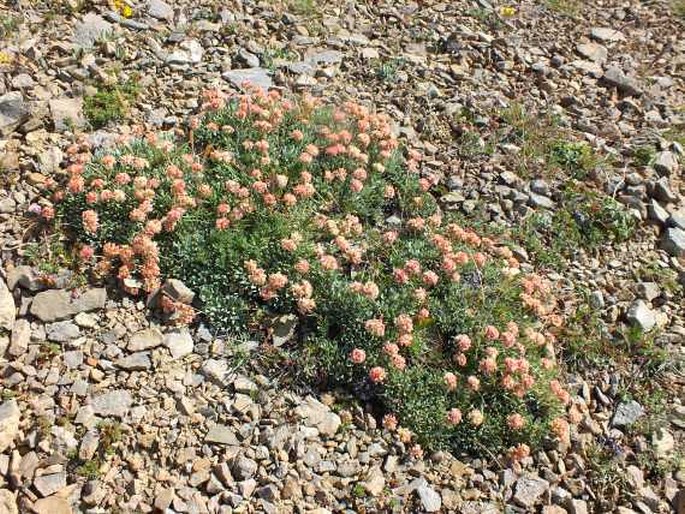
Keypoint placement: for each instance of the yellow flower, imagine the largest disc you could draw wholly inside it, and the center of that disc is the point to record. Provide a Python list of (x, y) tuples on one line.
[(507, 11), (5, 58), (124, 9)]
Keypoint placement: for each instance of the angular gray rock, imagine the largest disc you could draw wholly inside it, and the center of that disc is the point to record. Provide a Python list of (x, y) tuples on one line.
[(615, 77), (666, 163), (13, 112), (674, 241), (244, 468), (641, 315), (189, 52), (9, 423), (430, 499), (112, 403), (178, 291), (91, 29), (62, 331), (528, 490), (316, 414), (627, 413)]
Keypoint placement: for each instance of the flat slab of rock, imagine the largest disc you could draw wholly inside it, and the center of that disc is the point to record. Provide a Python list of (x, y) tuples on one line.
[(254, 76), (50, 484), (222, 434), (9, 423), (56, 304), (7, 308), (112, 403), (160, 10), (607, 34), (139, 361), (145, 340)]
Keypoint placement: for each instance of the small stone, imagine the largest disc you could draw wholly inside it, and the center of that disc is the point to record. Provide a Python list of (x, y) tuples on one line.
[(674, 241), (217, 370), (666, 163), (662, 191), (648, 290), (50, 484), (85, 320), (178, 291), (529, 490), (627, 413), (8, 309), (67, 113), (597, 300), (179, 342), (89, 445), (316, 414), (244, 468), (9, 423), (537, 200), (50, 160), (52, 505), (375, 481), (139, 361), (189, 52), (163, 499), (430, 499), (641, 315), (221, 434), (112, 403)]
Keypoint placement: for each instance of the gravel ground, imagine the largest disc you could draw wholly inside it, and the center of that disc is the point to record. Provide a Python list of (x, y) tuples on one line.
[(105, 411)]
